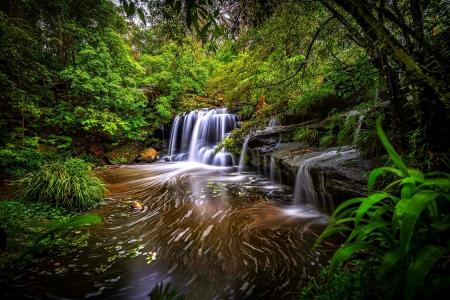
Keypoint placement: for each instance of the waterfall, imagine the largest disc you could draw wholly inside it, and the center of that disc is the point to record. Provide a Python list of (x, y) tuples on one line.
[(195, 136), (243, 152), (358, 128), (272, 169), (273, 122), (304, 191), (173, 136)]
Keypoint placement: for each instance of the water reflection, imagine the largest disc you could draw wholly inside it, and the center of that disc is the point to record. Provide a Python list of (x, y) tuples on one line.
[(218, 234)]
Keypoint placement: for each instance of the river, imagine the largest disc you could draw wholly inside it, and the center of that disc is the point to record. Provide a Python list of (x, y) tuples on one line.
[(217, 233)]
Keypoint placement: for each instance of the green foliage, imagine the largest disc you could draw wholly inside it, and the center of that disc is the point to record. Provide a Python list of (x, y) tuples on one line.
[(34, 229), (17, 161), (404, 236), (350, 281), (70, 184), (308, 136), (158, 293)]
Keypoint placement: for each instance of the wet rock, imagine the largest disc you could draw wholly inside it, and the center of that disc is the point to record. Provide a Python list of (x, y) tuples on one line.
[(149, 154), (158, 145), (125, 154), (342, 177), (136, 205)]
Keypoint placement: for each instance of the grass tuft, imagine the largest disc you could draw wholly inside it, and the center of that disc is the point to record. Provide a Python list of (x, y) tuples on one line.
[(70, 184)]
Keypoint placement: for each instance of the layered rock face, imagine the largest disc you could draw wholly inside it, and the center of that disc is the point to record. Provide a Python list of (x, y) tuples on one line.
[(338, 172)]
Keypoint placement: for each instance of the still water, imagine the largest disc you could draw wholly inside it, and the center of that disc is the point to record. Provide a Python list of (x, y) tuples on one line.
[(217, 233)]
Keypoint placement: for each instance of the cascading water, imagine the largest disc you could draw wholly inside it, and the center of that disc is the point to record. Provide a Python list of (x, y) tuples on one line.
[(273, 122), (243, 152), (195, 136), (304, 191), (272, 169)]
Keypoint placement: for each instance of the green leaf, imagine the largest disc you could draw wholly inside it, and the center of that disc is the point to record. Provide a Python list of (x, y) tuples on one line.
[(389, 260), (366, 205), (390, 150), (421, 264), (131, 10), (376, 172), (439, 225), (141, 15), (347, 251), (366, 230), (329, 231)]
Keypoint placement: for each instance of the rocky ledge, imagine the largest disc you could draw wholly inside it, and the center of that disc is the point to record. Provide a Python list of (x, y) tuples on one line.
[(339, 172)]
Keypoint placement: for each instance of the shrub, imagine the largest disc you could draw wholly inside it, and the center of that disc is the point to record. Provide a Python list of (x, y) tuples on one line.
[(349, 282), (404, 236), (18, 161), (70, 184), (309, 137)]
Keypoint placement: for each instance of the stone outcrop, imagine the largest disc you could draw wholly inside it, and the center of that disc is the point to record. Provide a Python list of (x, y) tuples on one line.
[(125, 154), (342, 175), (148, 154)]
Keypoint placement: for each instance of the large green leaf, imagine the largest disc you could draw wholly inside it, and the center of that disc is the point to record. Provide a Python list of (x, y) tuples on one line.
[(389, 260), (421, 264), (366, 205), (366, 230), (329, 231), (390, 150), (376, 172)]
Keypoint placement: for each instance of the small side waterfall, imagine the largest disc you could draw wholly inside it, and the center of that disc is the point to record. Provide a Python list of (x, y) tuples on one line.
[(273, 122), (195, 136), (304, 191), (243, 152), (272, 169)]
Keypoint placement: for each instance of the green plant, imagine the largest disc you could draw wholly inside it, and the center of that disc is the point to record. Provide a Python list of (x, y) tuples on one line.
[(70, 184), (33, 229), (308, 136), (349, 281), (367, 143), (167, 294), (17, 161), (404, 236)]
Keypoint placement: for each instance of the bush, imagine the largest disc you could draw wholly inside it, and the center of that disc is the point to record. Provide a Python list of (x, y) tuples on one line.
[(405, 237), (18, 161), (70, 184), (349, 282)]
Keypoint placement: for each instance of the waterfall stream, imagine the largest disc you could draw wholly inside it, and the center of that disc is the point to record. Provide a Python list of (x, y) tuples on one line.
[(304, 191), (196, 135)]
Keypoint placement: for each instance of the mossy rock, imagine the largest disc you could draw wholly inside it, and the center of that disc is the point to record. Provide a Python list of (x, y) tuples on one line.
[(125, 154)]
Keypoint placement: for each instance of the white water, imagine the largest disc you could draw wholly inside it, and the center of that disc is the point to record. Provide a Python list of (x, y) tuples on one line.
[(272, 169), (243, 152), (304, 190), (273, 122), (195, 136)]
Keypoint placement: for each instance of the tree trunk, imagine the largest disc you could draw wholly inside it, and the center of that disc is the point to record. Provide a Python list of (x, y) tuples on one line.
[(60, 41)]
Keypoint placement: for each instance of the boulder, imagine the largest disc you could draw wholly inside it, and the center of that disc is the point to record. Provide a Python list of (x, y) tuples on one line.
[(125, 154), (148, 154)]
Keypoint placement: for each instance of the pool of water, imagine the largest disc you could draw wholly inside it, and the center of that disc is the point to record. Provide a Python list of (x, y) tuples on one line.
[(217, 233)]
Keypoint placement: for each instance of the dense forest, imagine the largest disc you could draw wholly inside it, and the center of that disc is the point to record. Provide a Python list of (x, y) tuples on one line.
[(79, 79)]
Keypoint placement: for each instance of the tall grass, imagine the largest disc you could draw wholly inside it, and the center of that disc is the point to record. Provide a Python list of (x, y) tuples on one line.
[(70, 184), (404, 236)]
